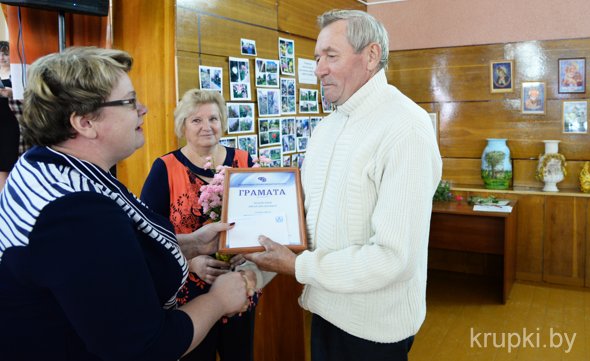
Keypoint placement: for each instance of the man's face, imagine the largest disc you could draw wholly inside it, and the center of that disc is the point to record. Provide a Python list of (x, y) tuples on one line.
[(341, 71)]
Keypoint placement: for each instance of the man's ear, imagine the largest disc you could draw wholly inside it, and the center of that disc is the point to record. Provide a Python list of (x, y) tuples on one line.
[(374, 54), (83, 125)]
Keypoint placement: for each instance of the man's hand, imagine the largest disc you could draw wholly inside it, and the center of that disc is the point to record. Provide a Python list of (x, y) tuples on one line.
[(275, 258)]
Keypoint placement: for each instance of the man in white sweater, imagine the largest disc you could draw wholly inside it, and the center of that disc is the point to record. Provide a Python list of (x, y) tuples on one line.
[(369, 175)]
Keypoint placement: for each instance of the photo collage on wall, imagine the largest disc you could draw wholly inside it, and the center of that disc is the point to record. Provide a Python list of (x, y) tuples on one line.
[(276, 131)]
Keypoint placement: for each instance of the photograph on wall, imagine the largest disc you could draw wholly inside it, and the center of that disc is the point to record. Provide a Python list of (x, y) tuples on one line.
[(286, 161), (501, 76), (269, 102), (231, 142), (297, 159), (327, 107), (249, 143), (288, 140), (210, 78), (572, 75), (308, 101), (287, 56), (306, 71), (313, 122), (302, 144), (288, 96), (239, 79), (240, 118), (267, 73), (248, 47), (302, 127), (274, 154), (533, 97), (575, 116), (269, 131)]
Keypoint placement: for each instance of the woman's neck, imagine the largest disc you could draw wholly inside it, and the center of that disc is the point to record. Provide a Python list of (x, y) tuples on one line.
[(200, 156)]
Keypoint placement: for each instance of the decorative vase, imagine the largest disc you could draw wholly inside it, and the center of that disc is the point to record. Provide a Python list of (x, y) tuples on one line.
[(551, 168), (585, 178), (496, 166)]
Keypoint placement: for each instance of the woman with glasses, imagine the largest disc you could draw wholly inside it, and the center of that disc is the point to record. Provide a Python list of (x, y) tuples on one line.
[(173, 188), (88, 272)]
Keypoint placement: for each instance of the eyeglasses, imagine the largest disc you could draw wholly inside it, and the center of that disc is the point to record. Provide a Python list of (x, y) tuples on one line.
[(116, 103)]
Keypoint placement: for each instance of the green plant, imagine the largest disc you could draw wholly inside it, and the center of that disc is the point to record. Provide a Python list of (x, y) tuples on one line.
[(443, 192)]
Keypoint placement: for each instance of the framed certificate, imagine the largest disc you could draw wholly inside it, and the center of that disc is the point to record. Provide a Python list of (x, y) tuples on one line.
[(262, 201)]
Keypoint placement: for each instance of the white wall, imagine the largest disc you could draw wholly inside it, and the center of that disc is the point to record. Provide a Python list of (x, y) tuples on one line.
[(420, 24)]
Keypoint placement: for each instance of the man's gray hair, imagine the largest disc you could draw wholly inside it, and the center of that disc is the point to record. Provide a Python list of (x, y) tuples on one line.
[(362, 29)]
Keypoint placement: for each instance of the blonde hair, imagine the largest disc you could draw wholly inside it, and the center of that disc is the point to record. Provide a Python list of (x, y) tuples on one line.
[(75, 81), (190, 102)]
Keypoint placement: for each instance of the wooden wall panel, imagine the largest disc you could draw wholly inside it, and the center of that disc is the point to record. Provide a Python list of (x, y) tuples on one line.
[(255, 12), (187, 30), (153, 76), (529, 238), (300, 17), (565, 240), (222, 37), (462, 171), (465, 126)]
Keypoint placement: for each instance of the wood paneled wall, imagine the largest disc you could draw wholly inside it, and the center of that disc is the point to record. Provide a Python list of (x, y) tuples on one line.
[(455, 82), (553, 237), (146, 30)]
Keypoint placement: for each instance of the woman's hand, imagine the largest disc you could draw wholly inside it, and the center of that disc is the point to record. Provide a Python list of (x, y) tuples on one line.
[(204, 240), (6, 92), (208, 268), (236, 260), (231, 291)]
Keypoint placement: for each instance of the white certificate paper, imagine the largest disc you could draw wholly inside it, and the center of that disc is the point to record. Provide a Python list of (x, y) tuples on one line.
[(306, 70), (262, 202)]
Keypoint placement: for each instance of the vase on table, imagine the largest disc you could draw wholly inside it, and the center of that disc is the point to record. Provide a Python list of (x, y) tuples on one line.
[(551, 167), (496, 165)]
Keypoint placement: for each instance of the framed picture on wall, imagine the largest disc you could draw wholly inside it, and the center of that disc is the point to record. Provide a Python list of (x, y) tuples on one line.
[(533, 97), (501, 76), (572, 75), (434, 121), (575, 116)]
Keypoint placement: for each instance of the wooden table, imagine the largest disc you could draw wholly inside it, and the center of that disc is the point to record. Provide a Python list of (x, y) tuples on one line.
[(456, 226)]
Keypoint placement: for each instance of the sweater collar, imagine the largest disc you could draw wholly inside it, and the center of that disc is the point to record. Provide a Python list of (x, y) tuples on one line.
[(366, 95)]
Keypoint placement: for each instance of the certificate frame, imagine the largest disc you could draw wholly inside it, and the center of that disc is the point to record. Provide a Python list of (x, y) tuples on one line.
[(269, 198)]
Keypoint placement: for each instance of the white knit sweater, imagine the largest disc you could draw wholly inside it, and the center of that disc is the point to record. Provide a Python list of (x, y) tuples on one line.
[(368, 177)]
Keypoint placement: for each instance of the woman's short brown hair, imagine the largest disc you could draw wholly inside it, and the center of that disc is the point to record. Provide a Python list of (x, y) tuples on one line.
[(75, 81)]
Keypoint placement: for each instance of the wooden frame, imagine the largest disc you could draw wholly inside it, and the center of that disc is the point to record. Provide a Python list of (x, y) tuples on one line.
[(533, 97), (572, 75), (501, 76), (262, 201), (574, 116)]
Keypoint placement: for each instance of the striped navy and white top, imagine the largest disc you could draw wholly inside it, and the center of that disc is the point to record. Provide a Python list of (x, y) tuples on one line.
[(85, 267)]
